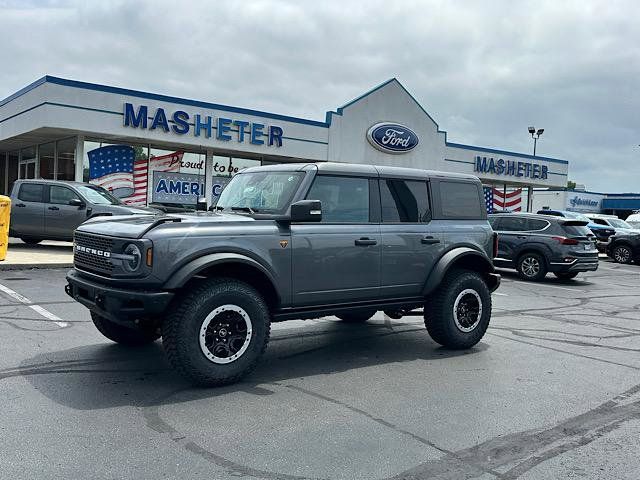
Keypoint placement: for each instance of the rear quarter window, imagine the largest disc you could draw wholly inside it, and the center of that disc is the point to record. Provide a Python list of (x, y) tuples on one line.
[(31, 192), (461, 200), (576, 231)]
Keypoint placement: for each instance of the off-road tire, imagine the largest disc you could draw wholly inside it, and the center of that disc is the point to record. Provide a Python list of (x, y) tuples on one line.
[(566, 275), (357, 317), (536, 261), (120, 334), (31, 241), (439, 310), (622, 254), (181, 331)]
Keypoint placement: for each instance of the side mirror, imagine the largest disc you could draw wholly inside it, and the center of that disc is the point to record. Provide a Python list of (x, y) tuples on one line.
[(306, 211), (201, 206), (76, 202)]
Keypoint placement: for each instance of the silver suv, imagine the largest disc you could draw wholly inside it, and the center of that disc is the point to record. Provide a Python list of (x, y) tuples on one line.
[(284, 242), (52, 209)]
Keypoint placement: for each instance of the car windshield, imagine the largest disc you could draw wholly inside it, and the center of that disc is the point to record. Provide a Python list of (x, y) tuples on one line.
[(98, 195), (617, 223), (268, 191)]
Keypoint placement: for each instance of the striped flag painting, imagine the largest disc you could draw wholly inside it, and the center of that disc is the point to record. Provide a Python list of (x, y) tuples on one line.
[(141, 168), (115, 168), (496, 199)]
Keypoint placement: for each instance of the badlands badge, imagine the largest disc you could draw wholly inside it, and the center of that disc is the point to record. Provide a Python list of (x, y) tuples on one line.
[(284, 243)]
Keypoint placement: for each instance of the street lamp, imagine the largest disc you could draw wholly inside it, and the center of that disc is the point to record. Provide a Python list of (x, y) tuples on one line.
[(535, 134)]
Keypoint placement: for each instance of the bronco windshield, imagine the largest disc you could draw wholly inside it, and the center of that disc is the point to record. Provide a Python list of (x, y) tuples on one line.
[(263, 192)]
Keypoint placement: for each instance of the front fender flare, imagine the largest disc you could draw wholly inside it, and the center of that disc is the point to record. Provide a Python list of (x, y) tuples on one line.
[(482, 264), (181, 276)]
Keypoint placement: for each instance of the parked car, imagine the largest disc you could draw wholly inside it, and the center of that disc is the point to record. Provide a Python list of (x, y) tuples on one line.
[(601, 232), (52, 209), (634, 220), (611, 221), (537, 244), (286, 242), (624, 247)]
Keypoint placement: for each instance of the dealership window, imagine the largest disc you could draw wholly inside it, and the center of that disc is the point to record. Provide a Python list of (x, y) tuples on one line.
[(344, 199), (404, 201), (12, 170), (28, 162), (47, 155), (66, 154)]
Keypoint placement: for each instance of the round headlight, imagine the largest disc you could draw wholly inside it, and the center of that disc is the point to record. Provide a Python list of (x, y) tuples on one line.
[(132, 264)]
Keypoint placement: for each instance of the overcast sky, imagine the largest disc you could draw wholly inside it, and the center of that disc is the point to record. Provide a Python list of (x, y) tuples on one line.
[(485, 71)]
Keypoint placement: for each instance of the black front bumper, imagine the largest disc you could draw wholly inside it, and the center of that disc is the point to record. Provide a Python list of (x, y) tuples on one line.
[(119, 305)]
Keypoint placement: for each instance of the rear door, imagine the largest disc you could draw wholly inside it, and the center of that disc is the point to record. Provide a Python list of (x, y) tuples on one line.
[(27, 211), (337, 260), (410, 243), (60, 218)]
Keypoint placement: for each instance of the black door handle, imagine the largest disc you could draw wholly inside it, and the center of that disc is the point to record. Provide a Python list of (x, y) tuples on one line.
[(363, 242), (522, 236), (54, 208), (20, 205), (429, 240)]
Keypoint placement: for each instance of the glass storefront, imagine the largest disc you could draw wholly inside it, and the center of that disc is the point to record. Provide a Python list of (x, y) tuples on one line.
[(66, 159), (47, 155)]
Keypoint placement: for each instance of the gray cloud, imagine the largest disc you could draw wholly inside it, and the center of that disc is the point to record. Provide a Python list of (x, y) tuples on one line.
[(484, 70)]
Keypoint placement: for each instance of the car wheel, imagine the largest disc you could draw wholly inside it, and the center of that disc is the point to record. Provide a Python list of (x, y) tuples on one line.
[(357, 317), (622, 254), (216, 333), (457, 314), (31, 241), (565, 275), (531, 266), (122, 334)]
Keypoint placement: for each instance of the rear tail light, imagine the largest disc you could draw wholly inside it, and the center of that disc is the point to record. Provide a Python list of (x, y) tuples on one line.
[(566, 241)]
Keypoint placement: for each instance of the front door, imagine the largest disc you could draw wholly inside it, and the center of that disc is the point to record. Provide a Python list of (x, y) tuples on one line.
[(411, 241), (60, 218), (337, 260), (512, 233), (27, 211)]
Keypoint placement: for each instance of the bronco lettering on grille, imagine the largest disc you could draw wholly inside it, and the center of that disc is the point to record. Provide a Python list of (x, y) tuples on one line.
[(93, 251)]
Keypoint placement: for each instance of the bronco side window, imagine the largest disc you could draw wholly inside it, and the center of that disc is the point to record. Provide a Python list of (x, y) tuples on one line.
[(405, 201), (461, 200), (344, 199)]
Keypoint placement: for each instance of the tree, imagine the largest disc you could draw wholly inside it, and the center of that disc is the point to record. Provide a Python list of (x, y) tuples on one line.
[(571, 185)]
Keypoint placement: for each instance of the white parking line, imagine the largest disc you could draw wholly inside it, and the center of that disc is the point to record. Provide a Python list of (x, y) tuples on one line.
[(549, 286), (36, 308), (500, 294)]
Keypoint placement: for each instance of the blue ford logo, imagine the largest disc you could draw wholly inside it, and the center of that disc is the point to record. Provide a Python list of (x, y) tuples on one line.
[(392, 137)]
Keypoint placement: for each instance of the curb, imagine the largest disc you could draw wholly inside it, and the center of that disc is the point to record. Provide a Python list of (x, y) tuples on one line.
[(30, 266)]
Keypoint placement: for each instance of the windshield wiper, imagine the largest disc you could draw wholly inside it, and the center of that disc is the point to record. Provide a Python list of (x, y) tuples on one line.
[(244, 209)]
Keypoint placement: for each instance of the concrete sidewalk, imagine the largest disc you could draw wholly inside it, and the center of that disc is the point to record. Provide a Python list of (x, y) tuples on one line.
[(46, 254)]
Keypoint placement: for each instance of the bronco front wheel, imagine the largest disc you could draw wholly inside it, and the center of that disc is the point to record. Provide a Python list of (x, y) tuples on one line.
[(216, 333), (457, 314)]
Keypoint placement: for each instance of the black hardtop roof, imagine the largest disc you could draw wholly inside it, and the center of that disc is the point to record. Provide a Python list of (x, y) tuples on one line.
[(362, 170)]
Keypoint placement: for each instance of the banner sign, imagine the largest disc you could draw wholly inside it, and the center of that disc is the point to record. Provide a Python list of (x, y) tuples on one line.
[(178, 188), (217, 185)]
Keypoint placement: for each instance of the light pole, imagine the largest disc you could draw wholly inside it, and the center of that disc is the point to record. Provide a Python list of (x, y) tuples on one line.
[(535, 134)]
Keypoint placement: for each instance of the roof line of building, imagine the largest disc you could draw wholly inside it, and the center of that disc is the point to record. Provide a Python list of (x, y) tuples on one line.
[(245, 111)]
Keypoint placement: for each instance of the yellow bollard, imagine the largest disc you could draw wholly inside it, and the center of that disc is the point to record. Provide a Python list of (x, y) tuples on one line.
[(5, 216)]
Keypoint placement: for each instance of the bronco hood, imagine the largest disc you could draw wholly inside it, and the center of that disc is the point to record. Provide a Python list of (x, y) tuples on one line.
[(135, 226)]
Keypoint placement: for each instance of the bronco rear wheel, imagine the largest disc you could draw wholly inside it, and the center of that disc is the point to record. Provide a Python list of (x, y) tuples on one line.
[(122, 334), (216, 333), (457, 314)]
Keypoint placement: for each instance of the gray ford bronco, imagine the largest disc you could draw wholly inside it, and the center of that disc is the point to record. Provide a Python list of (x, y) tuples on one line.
[(284, 242)]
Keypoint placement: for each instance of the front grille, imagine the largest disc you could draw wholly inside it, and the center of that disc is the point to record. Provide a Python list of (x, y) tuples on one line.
[(91, 261)]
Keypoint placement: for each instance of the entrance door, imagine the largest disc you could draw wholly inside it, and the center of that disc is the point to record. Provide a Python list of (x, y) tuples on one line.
[(27, 169)]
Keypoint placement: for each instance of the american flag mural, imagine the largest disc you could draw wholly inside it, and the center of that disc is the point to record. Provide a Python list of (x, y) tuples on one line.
[(495, 199), (115, 168)]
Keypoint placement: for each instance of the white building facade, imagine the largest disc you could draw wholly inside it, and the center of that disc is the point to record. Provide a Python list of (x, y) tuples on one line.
[(49, 129)]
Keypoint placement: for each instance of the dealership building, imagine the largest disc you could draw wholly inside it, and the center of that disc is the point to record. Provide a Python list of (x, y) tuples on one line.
[(59, 129)]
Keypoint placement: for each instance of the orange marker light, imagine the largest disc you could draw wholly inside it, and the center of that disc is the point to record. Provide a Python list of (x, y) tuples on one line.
[(149, 257)]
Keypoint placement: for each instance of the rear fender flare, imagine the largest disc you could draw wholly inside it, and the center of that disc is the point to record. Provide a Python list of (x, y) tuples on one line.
[(481, 263)]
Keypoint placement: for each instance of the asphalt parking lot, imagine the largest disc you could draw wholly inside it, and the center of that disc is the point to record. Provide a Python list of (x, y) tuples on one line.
[(552, 391)]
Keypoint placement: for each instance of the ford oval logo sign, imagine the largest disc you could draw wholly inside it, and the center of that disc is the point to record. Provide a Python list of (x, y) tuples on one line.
[(392, 138)]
